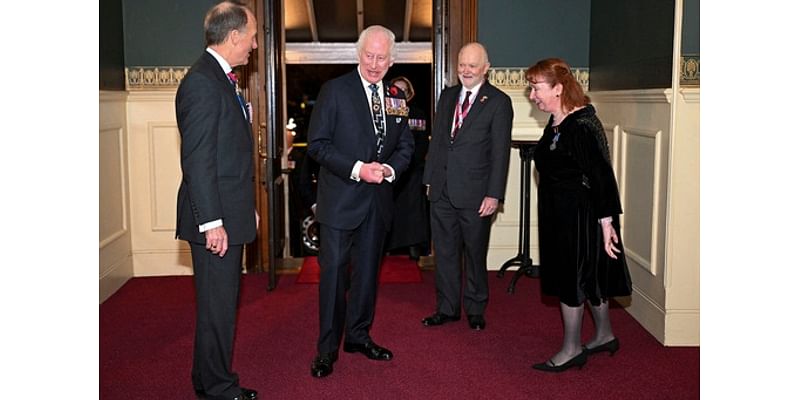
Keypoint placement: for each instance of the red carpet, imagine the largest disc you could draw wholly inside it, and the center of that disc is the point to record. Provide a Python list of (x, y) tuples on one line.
[(147, 329), (395, 269)]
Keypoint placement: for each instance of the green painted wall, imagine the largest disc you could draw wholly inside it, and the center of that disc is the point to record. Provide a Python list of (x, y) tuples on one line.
[(168, 33), (690, 37), (517, 33), (625, 43), (631, 45)]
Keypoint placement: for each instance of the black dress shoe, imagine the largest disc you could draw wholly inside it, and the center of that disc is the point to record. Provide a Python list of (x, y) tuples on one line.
[(438, 319), (576, 361), (369, 349), (413, 252), (611, 347), (476, 322), (323, 364), (247, 394)]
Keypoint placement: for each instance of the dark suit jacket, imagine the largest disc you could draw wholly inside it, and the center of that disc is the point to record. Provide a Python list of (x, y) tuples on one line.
[(216, 156), (340, 133), (475, 165)]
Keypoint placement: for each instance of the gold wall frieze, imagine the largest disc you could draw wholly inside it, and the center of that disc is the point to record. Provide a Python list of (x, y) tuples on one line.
[(514, 78), (508, 78), (154, 78), (168, 78), (690, 69)]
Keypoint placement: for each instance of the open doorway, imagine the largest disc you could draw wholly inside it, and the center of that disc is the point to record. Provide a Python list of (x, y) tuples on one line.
[(320, 34), (303, 82)]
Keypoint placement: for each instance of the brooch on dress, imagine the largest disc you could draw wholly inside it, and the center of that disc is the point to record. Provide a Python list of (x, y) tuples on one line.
[(555, 140)]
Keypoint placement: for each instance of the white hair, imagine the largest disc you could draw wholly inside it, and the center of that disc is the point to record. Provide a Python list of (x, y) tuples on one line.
[(362, 38), (484, 53)]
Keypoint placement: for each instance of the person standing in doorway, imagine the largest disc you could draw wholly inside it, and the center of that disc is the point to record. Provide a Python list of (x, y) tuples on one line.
[(216, 198), (359, 135), (466, 170), (411, 227)]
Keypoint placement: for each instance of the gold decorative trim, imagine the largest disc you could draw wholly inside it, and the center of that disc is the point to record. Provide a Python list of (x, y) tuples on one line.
[(511, 78), (690, 69), (168, 78), (514, 78), (634, 96), (154, 78)]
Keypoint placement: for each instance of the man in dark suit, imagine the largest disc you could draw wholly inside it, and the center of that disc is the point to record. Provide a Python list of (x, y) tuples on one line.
[(216, 199), (360, 137), (466, 172)]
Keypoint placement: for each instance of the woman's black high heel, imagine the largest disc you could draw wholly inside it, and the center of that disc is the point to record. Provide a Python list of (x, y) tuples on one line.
[(611, 347), (576, 361)]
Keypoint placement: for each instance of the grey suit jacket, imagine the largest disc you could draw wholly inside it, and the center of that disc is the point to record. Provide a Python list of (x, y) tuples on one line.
[(475, 164)]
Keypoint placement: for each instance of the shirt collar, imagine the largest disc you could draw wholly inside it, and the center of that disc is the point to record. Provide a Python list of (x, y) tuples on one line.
[(473, 92), (222, 63), (365, 83)]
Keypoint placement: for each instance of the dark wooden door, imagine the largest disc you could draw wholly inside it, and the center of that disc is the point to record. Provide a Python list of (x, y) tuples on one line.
[(264, 77)]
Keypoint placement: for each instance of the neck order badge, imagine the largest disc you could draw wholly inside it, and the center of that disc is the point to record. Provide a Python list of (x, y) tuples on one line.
[(235, 82)]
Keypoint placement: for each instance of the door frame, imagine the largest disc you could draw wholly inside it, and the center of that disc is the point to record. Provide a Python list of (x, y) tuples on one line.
[(264, 77)]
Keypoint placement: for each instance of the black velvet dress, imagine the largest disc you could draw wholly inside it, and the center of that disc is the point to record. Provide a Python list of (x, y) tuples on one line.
[(576, 188)]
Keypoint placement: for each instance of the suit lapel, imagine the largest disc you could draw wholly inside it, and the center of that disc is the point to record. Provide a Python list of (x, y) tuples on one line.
[(214, 66), (477, 106), (388, 120), (449, 107), (229, 88), (359, 98)]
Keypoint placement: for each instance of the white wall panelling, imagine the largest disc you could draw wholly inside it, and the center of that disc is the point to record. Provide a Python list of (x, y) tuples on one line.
[(116, 264)]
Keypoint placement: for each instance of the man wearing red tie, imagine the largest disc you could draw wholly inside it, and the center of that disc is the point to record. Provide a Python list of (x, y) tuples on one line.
[(466, 175), (216, 199)]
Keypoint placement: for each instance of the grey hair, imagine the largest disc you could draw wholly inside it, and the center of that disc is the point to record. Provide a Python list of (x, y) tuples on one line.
[(223, 18), (362, 39)]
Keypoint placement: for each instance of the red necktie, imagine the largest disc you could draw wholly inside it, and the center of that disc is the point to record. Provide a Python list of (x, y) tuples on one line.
[(461, 114)]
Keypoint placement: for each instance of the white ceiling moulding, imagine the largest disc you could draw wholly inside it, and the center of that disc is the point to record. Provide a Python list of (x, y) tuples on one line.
[(345, 53)]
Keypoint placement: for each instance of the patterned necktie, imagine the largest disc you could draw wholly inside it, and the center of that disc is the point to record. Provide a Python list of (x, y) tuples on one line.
[(234, 81), (377, 116), (461, 114)]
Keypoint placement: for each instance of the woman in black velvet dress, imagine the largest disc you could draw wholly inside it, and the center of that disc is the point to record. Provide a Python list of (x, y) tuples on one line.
[(580, 245)]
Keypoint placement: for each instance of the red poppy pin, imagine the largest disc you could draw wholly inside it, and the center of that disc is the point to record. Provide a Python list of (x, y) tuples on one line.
[(394, 90)]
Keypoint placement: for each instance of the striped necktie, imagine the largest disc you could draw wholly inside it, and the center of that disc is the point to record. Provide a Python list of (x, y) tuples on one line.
[(377, 117), (461, 113)]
